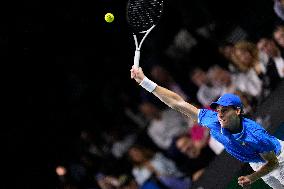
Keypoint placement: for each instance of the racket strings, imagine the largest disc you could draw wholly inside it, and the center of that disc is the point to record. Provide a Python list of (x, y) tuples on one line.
[(143, 14)]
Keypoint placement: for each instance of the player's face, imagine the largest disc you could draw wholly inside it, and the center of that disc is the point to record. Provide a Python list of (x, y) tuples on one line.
[(228, 116)]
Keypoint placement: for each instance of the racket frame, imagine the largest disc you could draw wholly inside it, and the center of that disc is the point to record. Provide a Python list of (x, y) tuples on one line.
[(139, 45)]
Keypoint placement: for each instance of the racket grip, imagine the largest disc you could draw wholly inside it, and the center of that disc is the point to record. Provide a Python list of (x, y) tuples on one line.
[(136, 59)]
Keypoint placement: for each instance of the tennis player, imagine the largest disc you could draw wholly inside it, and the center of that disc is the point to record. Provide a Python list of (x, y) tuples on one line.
[(243, 138)]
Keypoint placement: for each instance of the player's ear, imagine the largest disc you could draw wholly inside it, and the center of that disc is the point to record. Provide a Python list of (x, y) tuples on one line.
[(238, 111)]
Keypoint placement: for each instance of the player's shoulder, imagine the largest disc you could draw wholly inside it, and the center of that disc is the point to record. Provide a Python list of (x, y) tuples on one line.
[(207, 116), (206, 112), (252, 125)]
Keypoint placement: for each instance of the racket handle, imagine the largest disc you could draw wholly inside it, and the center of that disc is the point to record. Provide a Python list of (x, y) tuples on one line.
[(136, 59)]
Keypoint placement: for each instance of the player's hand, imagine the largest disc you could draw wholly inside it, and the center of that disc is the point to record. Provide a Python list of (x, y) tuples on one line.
[(137, 74), (244, 181)]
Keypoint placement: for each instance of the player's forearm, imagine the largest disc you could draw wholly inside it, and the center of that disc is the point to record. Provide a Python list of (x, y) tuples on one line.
[(176, 102), (264, 170), (168, 97)]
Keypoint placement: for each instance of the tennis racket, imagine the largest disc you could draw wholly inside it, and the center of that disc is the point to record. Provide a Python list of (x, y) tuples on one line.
[(143, 16)]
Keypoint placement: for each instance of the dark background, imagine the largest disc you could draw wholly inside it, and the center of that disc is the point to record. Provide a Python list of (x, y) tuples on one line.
[(66, 69)]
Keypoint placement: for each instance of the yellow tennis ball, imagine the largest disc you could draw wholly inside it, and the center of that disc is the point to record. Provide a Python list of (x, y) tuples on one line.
[(109, 17)]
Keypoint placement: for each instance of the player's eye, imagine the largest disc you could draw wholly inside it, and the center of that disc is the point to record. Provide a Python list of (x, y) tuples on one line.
[(222, 110)]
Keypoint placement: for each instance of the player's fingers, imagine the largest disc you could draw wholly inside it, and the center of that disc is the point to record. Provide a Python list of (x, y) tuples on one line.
[(241, 178), (133, 75), (133, 68), (241, 183)]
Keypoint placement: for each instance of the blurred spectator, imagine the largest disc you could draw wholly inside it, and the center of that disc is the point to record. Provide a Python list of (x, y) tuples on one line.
[(221, 79), (201, 137), (275, 66), (90, 143), (278, 36), (128, 182), (78, 174), (206, 91), (227, 50), (164, 78), (148, 163), (164, 125), (279, 8), (198, 153), (228, 82), (107, 182), (119, 147), (117, 138), (247, 61)]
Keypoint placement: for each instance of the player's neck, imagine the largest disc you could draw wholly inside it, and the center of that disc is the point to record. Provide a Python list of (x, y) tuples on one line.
[(237, 128)]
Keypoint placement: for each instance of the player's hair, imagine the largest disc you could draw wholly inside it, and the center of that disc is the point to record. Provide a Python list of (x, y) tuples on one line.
[(239, 108)]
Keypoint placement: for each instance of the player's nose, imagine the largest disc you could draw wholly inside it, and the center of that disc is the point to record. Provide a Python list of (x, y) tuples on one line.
[(220, 115)]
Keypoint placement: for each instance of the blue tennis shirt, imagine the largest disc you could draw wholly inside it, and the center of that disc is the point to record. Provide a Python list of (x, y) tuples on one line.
[(246, 145)]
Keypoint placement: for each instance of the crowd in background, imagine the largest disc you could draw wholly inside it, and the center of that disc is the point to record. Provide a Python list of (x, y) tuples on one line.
[(75, 118), (163, 149)]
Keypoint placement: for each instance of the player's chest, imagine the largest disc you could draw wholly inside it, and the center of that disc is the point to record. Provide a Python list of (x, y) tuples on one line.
[(229, 140)]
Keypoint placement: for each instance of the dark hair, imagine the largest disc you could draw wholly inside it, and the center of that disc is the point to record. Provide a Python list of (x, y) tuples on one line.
[(239, 108)]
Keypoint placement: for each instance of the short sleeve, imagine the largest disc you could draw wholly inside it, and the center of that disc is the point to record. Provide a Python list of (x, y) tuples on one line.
[(265, 143), (207, 117)]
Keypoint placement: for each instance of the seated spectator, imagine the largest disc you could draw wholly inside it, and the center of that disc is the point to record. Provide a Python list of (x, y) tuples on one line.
[(128, 182), (164, 125), (278, 36), (107, 181), (201, 137), (206, 91), (229, 83), (221, 79), (198, 152), (246, 59), (227, 50), (148, 164), (275, 66)]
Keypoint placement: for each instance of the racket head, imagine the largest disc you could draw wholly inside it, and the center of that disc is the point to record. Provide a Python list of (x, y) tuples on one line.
[(143, 14)]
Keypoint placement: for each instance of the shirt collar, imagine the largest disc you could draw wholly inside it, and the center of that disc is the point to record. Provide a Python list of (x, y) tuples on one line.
[(238, 136)]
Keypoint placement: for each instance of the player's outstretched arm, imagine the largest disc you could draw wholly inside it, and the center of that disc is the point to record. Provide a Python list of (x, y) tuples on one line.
[(170, 98)]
